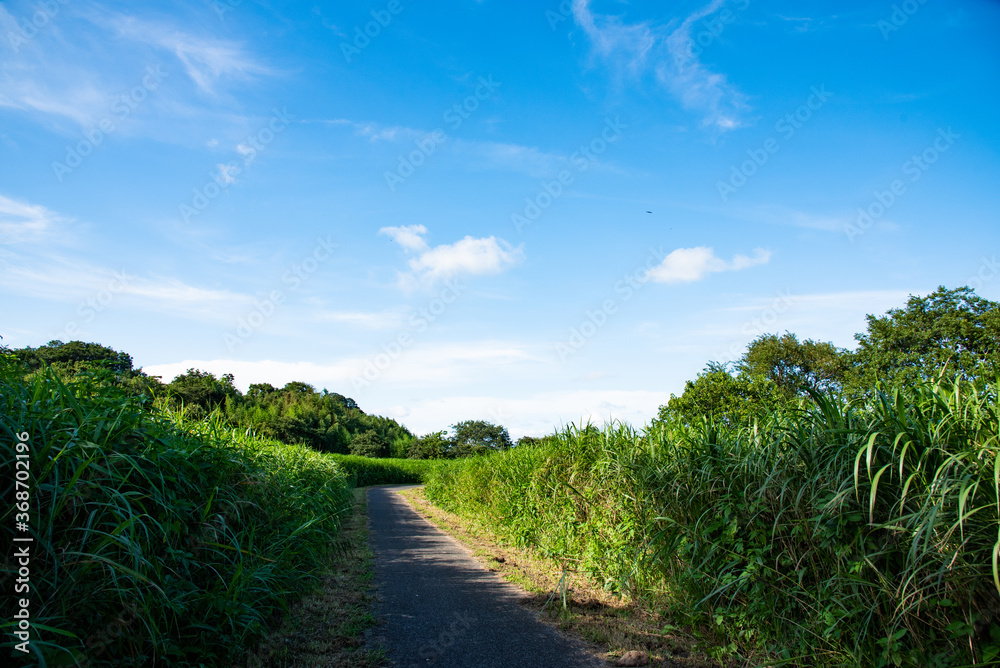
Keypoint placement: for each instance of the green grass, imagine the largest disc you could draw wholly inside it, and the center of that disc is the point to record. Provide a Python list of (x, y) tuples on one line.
[(157, 541), (835, 534), (365, 471)]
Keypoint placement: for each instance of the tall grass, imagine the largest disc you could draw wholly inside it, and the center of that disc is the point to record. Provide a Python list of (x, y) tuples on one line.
[(835, 534), (365, 471), (158, 541)]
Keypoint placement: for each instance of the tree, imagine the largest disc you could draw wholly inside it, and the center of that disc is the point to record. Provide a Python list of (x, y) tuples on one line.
[(953, 329), (535, 442), (719, 395), (436, 445), (76, 357), (297, 387), (369, 444), (793, 365), (201, 388), (474, 437)]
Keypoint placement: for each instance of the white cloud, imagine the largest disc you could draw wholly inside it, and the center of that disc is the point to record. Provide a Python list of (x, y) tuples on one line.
[(634, 48), (699, 89), (228, 172), (473, 256), (409, 237), (488, 255), (625, 46), (686, 265), (535, 415), (22, 222), (206, 61)]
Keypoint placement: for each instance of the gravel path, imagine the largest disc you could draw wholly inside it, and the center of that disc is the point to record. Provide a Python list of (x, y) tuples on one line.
[(440, 607)]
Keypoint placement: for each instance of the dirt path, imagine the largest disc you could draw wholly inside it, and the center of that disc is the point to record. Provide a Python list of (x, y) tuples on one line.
[(441, 607)]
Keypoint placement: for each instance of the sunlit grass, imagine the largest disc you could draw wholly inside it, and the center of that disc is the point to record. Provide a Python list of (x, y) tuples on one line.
[(834, 534), (158, 540)]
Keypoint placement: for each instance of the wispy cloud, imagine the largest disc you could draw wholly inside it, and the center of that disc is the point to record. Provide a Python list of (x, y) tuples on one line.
[(21, 222), (389, 319), (206, 60), (687, 265), (468, 256), (632, 49), (528, 160)]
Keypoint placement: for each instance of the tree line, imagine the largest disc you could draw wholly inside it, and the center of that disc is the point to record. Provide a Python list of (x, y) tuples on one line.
[(949, 332), (294, 413)]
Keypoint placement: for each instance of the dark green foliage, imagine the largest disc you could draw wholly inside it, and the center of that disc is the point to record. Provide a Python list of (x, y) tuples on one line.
[(435, 445), (794, 366), (202, 389), (534, 442), (476, 437), (75, 357), (157, 541), (369, 444), (719, 395), (956, 328)]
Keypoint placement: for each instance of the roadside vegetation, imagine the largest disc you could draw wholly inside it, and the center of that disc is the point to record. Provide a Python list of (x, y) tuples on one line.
[(156, 541), (811, 506), (164, 532)]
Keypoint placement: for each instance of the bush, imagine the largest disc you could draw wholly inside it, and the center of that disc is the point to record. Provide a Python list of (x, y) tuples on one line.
[(858, 534), (157, 540)]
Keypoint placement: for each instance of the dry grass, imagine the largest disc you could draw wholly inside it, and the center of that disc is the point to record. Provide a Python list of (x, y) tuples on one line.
[(615, 625), (326, 629)]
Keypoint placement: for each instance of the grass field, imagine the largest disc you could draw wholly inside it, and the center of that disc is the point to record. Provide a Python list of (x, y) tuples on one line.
[(158, 540), (857, 535)]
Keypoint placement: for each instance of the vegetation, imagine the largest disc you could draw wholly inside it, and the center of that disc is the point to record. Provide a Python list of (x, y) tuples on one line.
[(949, 333), (365, 471), (810, 518), (157, 539)]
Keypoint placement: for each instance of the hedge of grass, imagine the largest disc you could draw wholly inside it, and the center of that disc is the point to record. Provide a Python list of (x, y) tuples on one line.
[(862, 534), (155, 541)]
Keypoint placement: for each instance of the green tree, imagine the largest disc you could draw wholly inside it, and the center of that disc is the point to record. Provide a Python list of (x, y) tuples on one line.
[(719, 395), (474, 437), (793, 365), (77, 357), (436, 445), (369, 444), (955, 331), (201, 388)]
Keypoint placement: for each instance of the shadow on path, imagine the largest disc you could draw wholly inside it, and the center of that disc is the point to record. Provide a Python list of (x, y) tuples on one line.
[(440, 607)]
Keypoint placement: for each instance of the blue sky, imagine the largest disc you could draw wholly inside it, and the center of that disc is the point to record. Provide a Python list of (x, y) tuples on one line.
[(530, 213)]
